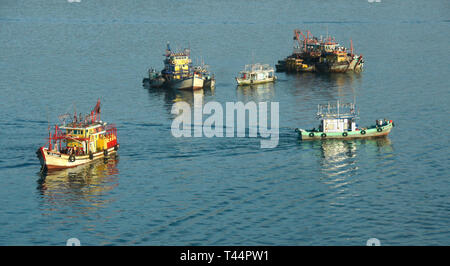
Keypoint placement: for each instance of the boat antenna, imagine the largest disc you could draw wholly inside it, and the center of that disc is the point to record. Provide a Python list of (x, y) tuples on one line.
[(338, 109), (75, 113), (351, 47), (48, 119)]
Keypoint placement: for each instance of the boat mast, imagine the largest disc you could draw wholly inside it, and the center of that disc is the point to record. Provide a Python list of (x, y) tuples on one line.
[(338, 109), (351, 47)]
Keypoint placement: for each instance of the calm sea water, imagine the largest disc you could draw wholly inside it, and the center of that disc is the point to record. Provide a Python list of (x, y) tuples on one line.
[(163, 190)]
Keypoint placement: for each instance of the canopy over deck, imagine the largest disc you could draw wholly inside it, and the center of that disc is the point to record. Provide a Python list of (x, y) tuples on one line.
[(257, 68), (336, 111)]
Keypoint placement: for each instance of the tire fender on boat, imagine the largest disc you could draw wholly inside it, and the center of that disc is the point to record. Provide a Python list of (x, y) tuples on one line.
[(345, 134), (323, 135), (91, 156), (311, 134), (105, 152), (72, 158), (379, 129), (116, 147), (363, 132)]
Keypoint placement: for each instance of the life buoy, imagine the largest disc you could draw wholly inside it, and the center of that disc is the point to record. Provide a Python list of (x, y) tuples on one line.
[(379, 129), (311, 134), (323, 135), (345, 134), (72, 158), (363, 132)]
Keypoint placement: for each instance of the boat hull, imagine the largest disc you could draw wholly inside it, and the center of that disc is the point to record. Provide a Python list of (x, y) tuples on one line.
[(358, 134), (209, 83), (193, 83), (157, 82), (355, 65), (243, 82), (55, 160)]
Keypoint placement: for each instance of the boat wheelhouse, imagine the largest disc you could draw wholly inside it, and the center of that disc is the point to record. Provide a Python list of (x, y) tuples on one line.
[(338, 121), (78, 141), (256, 74), (178, 71)]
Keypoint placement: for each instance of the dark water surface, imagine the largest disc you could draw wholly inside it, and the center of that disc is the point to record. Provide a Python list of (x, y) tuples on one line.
[(163, 190)]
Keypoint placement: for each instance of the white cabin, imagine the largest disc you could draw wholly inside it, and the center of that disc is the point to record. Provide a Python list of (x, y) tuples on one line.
[(338, 125), (337, 117), (257, 72)]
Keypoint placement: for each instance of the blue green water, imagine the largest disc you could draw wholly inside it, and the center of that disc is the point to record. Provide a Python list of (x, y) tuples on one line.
[(163, 190)]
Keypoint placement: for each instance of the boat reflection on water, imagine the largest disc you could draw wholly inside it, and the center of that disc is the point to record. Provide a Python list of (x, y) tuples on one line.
[(341, 168), (189, 96), (332, 80), (340, 157), (83, 186), (325, 86), (258, 92), (172, 96)]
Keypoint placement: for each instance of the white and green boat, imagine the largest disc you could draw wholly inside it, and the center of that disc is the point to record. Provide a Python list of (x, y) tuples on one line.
[(338, 121), (256, 74)]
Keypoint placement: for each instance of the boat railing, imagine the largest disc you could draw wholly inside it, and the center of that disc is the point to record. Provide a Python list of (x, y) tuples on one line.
[(338, 110), (257, 68)]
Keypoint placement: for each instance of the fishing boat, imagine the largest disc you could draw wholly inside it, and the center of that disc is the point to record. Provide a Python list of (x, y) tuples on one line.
[(155, 79), (256, 74), (339, 61), (209, 80), (338, 121), (80, 140), (312, 54), (178, 71)]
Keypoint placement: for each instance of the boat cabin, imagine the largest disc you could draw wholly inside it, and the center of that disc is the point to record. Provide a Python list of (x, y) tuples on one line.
[(82, 138), (337, 117), (329, 46), (177, 65), (257, 72)]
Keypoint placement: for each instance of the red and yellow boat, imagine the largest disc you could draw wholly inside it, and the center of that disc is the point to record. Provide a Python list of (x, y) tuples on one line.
[(80, 141)]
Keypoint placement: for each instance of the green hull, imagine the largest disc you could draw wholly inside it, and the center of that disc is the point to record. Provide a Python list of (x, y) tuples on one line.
[(363, 133)]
